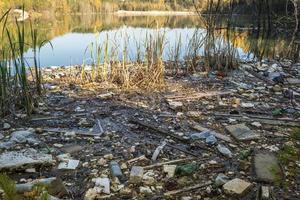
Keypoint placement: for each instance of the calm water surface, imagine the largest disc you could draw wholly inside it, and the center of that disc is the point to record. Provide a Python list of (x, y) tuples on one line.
[(74, 38)]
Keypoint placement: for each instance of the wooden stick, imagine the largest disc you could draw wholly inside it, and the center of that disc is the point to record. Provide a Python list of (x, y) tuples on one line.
[(167, 163), (198, 186), (157, 129), (182, 150)]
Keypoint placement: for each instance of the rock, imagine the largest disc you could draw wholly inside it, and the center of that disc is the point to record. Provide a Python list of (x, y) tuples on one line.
[(125, 191), (175, 105), (224, 150), (92, 193), (6, 126), (277, 88), (186, 198), (169, 170), (28, 157), (247, 105), (293, 81), (20, 137), (23, 137), (106, 96), (58, 145), (241, 132), (30, 170), (236, 187), (221, 179), (102, 162), (267, 168), (148, 178), (1, 137), (265, 193), (145, 191), (256, 124), (103, 183), (136, 174), (194, 114), (115, 169), (72, 148), (108, 156), (69, 164)]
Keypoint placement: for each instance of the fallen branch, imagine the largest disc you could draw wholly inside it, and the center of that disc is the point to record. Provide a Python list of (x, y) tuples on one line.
[(157, 129), (187, 189), (197, 95)]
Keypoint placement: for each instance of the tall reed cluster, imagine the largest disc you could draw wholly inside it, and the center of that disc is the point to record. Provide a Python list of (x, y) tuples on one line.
[(109, 61), (16, 91)]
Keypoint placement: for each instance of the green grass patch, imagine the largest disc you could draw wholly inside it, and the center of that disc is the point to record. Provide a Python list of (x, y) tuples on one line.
[(296, 134)]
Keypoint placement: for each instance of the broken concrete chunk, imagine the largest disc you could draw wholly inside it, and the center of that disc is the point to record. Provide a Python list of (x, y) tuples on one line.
[(170, 170), (69, 164), (103, 183), (136, 174), (28, 157), (265, 193), (241, 132), (20, 137), (236, 187), (267, 168)]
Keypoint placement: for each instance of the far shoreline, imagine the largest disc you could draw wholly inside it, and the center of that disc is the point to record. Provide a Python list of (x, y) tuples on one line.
[(122, 13)]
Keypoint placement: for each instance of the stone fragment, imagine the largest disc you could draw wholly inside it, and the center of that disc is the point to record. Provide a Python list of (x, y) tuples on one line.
[(175, 105), (267, 168), (108, 156), (170, 170), (148, 178), (106, 96), (102, 162), (28, 157), (241, 132), (224, 150), (6, 126), (236, 187), (103, 183), (1, 137), (221, 179), (136, 174), (145, 191), (247, 105), (256, 124), (30, 170)]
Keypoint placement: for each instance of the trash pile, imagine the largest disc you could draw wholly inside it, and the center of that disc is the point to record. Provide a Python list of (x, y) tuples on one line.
[(206, 138)]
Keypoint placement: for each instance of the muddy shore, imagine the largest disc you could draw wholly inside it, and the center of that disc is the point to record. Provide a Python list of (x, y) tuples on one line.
[(203, 136)]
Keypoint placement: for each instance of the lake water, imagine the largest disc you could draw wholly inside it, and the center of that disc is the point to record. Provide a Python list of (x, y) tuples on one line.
[(75, 38)]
